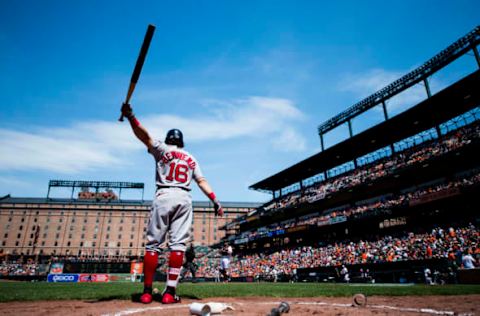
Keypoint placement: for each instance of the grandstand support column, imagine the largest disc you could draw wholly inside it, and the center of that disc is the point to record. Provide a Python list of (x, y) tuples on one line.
[(439, 132), (321, 141), (73, 189), (385, 112), (427, 87), (477, 55), (350, 131)]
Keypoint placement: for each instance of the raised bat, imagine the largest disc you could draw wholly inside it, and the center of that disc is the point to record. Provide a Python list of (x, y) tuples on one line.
[(139, 64)]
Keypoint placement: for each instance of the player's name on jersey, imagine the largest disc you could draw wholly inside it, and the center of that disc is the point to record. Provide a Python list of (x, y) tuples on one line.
[(170, 155)]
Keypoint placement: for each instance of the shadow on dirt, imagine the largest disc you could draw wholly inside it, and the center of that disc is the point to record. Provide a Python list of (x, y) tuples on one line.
[(106, 299), (158, 297)]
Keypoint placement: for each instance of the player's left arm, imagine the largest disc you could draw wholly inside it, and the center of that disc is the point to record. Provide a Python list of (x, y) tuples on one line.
[(207, 190)]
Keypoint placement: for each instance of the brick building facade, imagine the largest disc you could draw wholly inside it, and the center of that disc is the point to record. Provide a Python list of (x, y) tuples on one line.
[(76, 227)]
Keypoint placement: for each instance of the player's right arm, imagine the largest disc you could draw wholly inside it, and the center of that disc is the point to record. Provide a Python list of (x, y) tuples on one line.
[(137, 128)]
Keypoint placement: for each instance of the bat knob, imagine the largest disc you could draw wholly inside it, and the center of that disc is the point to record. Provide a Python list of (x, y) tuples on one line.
[(121, 118)]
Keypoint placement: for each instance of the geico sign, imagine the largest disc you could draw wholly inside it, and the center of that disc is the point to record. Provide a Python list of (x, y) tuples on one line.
[(64, 278)]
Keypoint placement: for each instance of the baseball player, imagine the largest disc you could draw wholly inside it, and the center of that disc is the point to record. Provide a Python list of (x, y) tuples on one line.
[(172, 211), (189, 264), (226, 253)]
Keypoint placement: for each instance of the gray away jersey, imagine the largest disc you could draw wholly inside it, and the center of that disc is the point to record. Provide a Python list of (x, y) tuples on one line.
[(175, 166)]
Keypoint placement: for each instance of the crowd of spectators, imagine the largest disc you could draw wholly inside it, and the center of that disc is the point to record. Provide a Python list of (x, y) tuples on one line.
[(378, 169), (18, 269), (385, 203), (453, 244), (20, 266), (460, 246)]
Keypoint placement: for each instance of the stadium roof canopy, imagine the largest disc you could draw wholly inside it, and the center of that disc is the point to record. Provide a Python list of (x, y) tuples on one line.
[(454, 100), (456, 50)]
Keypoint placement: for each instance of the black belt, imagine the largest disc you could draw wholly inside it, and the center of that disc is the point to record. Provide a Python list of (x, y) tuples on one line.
[(159, 187)]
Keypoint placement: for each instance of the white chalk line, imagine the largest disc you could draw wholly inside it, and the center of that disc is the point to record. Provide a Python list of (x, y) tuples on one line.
[(402, 309), (131, 311)]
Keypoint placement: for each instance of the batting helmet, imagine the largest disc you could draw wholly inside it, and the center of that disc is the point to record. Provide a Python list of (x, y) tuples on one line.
[(174, 137)]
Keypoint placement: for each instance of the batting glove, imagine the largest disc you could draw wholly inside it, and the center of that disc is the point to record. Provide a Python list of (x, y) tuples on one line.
[(218, 208), (127, 110)]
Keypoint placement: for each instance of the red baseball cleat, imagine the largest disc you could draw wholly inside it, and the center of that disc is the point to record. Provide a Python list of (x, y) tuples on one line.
[(170, 299), (146, 298)]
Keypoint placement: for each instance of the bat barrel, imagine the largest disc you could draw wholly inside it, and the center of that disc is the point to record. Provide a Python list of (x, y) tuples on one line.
[(143, 53), (139, 64)]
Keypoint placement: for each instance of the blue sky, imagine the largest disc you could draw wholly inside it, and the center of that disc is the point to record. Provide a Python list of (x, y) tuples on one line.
[(248, 82)]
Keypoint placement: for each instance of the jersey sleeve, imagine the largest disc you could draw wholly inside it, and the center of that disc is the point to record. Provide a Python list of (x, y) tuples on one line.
[(197, 173), (157, 149)]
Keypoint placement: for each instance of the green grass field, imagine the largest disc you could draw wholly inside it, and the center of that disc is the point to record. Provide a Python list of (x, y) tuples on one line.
[(26, 291)]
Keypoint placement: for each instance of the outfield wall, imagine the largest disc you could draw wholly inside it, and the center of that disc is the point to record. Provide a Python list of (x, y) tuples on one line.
[(93, 277)]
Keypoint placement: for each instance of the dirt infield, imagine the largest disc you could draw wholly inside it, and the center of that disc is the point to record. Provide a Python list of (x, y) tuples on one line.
[(376, 305)]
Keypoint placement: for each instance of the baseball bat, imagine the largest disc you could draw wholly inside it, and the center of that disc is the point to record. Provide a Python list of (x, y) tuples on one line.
[(139, 64)]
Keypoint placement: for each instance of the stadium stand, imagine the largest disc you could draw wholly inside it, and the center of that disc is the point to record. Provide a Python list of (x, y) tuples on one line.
[(440, 243), (396, 200)]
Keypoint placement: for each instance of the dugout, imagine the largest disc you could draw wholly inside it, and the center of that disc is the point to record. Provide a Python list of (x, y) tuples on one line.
[(387, 272)]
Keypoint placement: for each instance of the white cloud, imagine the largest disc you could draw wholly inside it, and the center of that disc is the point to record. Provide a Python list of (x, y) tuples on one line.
[(100, 144), (250, 117), (53, 153), (289, 140)]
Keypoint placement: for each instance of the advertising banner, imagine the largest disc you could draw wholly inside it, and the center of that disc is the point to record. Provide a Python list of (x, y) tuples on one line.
[(122, 277), (338, 219), (136, 268), (323, 221), (62, 278), (241, 241), (94, 277), (279, 232), (296, 228)]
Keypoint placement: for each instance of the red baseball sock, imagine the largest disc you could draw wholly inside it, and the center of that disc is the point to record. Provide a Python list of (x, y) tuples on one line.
[(150, 262), (174, 267)]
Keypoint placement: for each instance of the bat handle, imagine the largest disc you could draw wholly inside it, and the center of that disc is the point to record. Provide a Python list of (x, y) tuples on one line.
[(129, 95), (127, 99)]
